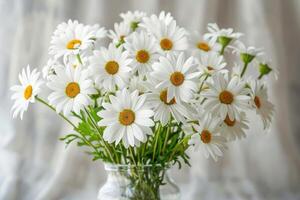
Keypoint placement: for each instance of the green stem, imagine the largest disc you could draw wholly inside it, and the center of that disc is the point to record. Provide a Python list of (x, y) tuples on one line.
[(124, 153), (223, 49), (99, 132), (244, 69), (144, 148), (166, 138), (132, 155), (89, 143), (65, 118), (203, 100), (155, 142), (201, 86), (224, 41), (178, 145), (79, 58), (52, 108)]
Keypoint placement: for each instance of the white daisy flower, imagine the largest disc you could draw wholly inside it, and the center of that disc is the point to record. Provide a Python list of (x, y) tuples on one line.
[(62, 27), (216, 33), (26, 92), (71, 89), (165, 17), (234, 129), (264, 68), (264, 108), (198, 44), (150, 22), (75, 38), (177, 75), (211, 63), (121, 30), (133, 18), (126, 118), (226, 97), (240, 48), (164, 109), (207, 138), (110, 67), (169, 36), (143, 51)]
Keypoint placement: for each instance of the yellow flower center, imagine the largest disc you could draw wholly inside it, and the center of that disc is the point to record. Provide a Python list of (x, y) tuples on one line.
[(210, 68), (72, 89), (203, 46), (112, 67), (226, 97), (28, 92), (126, 117), (142, 56), (163, 98), (177, 78), (166, 44), (229, 122), (122, 37), (205, 136), (73, 44), (257, 101)]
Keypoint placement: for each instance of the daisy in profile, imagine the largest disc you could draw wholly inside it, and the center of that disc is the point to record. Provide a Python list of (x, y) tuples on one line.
[(265, 69), (240, 48), (177, 75), (217, 35), (126, 118), (264, 108), (198, 44), (234, 129), (73, 39), (142, 50), (71, 88), (164, 109), (25, 92), (211, 63), (133, 18), (121, 31), (247, 54), (207, 138), (110, 67), (226, 97), (169, 36)]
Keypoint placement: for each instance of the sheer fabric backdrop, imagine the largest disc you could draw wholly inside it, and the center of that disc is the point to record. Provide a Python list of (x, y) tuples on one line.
[(34, 164)]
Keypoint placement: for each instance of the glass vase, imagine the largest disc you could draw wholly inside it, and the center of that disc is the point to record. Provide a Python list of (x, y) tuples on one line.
[(125, 182)]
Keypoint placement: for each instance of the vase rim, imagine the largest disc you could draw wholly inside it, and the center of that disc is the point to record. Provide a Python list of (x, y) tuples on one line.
[(118, 167)]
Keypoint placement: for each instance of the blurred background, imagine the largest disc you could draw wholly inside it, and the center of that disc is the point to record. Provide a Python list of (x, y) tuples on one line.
[(34, 164)]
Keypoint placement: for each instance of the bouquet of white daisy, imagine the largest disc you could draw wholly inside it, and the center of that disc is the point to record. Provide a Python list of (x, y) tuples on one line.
[(150, 94)]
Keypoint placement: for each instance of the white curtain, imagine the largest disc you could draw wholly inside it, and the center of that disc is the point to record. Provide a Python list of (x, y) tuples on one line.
[(34, 164)]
